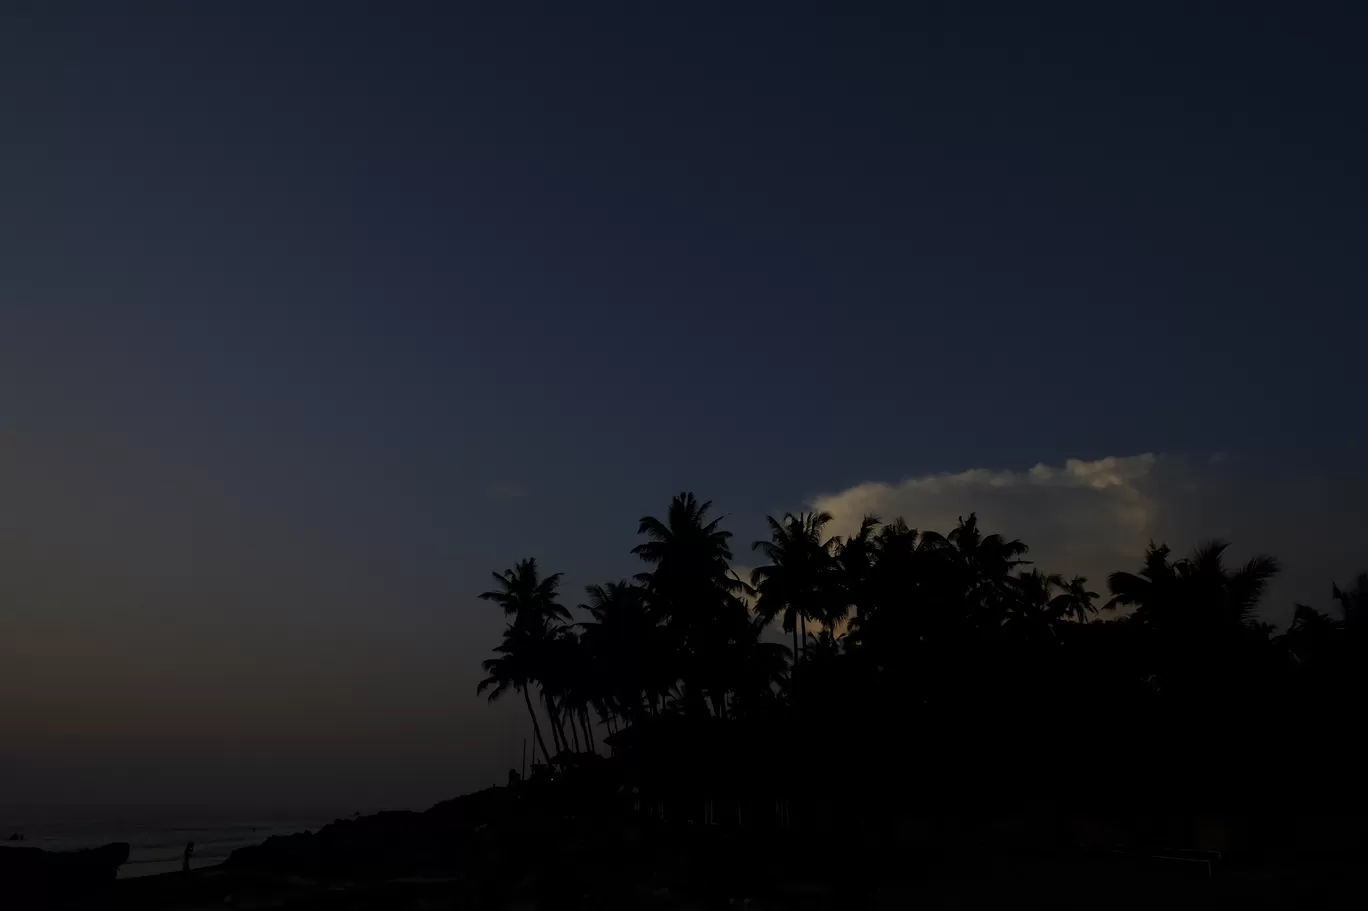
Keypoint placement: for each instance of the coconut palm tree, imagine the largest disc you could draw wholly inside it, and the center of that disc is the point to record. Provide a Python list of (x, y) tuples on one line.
[(802, 581), (566, 685), (983, 563), (1075, 601), (690, 558), (691, 587), (527, 596), (884, 575), (826, 673), (751, 674), (537, 618), (638, 658), (621, 640), (515, 667), (1031, 598), (1197, 590), (1204, 639), (1240, 590), (855, 557), (1139, 590)]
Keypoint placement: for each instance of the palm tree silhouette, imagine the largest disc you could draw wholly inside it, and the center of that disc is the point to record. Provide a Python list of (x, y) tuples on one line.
[(752, 673), (1147, 586), (530, 600), (1195, 590), (984, 563), (565, 684), (622, 640), (885, 577), (802, 581), (943, 627), (1075, 602), (515, 667), (855, 557), (1201, 620), (526, 596), (692, 589), (690, 558), (1032, 598)]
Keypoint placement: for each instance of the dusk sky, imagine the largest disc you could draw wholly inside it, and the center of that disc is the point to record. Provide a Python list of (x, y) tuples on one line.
[(312, 317)]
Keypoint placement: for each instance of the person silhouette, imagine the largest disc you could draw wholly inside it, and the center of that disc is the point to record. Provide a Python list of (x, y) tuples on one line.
[(189, 853)]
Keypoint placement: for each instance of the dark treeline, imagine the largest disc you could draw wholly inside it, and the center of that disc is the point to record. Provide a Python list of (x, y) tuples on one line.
[(941, 668)]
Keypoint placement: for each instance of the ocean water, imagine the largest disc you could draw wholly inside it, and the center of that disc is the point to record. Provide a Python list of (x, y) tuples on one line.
[(156, 845)]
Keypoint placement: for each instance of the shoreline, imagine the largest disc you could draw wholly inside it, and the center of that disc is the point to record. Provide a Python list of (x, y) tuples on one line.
[(578, 841)]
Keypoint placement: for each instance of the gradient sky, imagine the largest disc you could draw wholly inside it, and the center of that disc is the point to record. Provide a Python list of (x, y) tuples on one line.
[(310, 318)]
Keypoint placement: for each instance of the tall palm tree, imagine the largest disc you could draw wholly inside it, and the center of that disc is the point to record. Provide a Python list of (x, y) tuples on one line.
[(1075, 601), (514, 668), (802, 581), (1032, 598), (1205, 640), (984, 562), (530, 600), (826, 673), (580, 684), (690, 556), (1141, 589), (563, 680), (855, 557), (527, 596), (753, 670), (883, 574), (1196, 590), (691, 587), (1241, 589), (623, 641)]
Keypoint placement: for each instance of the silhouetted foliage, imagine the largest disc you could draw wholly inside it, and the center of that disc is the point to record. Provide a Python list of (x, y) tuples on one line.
[(903, 637), (802, 582)]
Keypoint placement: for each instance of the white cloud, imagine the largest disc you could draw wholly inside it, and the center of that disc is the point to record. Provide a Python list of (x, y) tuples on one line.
[(1092, 517)]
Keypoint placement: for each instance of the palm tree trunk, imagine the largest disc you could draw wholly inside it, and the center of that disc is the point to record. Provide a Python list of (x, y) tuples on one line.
[(560, 724), (555, 741), (573, 733), (557, 734), (536, 727), (588, 731)]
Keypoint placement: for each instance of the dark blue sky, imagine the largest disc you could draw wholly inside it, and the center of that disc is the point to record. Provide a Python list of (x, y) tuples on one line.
[(310, 318)]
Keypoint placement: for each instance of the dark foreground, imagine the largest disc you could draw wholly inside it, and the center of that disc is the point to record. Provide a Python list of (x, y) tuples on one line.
[(536, 846)]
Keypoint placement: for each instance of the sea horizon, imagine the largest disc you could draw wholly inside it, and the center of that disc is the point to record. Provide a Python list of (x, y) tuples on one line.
[(157, 836)]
